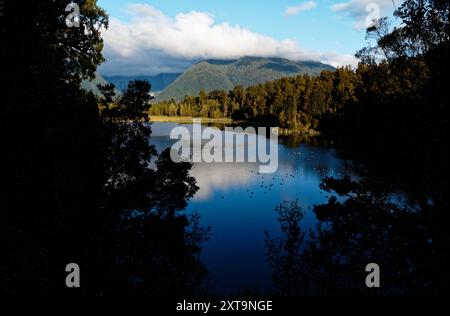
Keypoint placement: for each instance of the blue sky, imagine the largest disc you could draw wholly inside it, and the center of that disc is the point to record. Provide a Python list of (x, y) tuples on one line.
[(326, 30)]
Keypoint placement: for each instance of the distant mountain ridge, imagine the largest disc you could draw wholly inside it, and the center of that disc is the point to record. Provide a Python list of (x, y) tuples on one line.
[(216, 74), (158, 82), (91, 85)]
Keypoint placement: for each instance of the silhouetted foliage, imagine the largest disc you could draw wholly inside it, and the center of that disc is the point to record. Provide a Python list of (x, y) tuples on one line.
[(81, 182), (397, 133), (365, 228), (396, 136)]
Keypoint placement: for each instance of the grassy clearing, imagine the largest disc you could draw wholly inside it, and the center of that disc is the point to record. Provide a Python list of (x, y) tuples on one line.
[(188, 119)]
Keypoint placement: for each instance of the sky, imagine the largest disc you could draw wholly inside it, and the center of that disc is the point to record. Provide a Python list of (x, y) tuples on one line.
[(148, 37)]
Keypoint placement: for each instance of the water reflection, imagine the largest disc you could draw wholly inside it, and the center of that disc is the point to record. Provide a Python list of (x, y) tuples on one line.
[(237, 202)]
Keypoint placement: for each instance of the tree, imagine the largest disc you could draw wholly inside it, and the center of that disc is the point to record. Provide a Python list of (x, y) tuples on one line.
[(395, 133), (135, 100), (79, 183)]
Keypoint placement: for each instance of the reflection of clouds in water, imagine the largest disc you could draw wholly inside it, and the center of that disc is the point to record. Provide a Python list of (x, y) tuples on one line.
[(298, 167), (211, 177), (291, 174)]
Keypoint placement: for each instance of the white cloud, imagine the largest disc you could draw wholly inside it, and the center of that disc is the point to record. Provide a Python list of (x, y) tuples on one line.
[(304, 6), (337, 60), (364, 12), (152, 42)]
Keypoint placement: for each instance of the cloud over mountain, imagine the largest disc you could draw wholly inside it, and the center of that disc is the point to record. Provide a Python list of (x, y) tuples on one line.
[(152, 42)]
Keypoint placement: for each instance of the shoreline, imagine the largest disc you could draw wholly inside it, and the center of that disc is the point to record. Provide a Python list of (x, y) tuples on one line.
[(189, 120)]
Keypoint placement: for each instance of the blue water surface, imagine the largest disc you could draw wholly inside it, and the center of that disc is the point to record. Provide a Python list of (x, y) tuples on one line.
[(237, 203)]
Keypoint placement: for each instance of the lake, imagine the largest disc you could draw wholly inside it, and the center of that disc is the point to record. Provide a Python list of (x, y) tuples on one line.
[(237, 203)]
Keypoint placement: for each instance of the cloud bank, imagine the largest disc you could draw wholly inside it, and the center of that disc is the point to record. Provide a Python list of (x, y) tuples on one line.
[(152, 43)]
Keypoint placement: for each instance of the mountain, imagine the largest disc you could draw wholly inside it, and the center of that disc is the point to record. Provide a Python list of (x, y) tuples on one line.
[(91, 85), (211, 75), (158, 82)]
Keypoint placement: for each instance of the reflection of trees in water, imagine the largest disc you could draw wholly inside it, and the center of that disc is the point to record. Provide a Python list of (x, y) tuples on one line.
[(154, 250), (284, 253), (364, 228), (295, 141)]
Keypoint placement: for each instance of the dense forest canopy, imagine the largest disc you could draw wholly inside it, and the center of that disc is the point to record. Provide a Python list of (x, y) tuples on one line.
[(295, 103)]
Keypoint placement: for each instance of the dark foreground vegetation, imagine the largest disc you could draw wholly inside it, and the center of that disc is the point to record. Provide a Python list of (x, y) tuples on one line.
[(394, 128), (80, 185)]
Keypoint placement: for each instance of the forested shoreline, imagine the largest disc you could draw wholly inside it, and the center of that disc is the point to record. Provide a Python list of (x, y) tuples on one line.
[(293, 103), (303, 104)]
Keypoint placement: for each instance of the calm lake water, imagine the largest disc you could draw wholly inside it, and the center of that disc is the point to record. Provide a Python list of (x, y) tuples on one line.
[(237, 203)]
